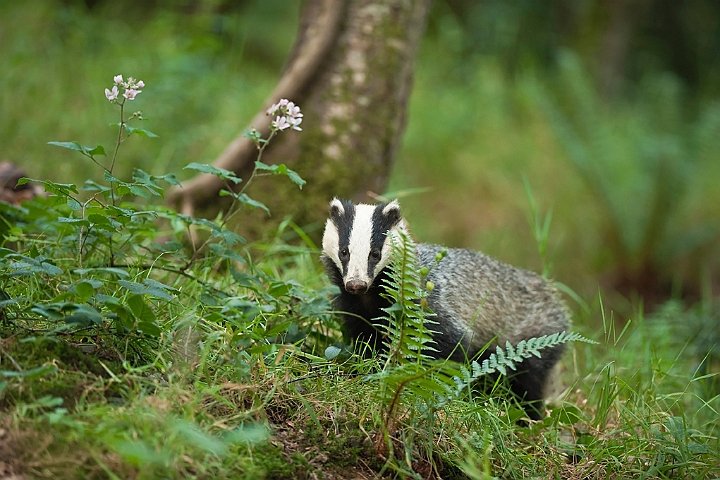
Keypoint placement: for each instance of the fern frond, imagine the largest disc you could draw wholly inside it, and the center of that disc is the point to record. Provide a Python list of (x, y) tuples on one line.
[(407, 322), (508, 358)]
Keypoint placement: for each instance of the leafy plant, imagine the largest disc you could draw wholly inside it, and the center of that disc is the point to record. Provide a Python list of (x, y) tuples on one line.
[(104, 275), (413, 385)]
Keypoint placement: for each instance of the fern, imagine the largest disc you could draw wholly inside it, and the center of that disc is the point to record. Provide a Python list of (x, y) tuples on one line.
[(413, 384), (508, 358), (408, 320)]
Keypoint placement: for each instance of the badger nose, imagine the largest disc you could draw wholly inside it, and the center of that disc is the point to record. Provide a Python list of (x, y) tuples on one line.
[(356, 286)]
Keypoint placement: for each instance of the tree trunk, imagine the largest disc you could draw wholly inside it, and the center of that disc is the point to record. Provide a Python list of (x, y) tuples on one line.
[(351, 73)]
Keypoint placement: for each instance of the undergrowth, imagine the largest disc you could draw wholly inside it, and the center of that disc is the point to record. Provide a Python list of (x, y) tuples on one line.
[(138, 342)]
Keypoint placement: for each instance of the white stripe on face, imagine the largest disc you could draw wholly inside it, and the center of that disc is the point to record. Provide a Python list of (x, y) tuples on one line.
[(360, 241), (331, 243), (394, 233)]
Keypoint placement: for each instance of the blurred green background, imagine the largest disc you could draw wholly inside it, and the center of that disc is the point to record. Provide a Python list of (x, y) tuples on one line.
[(607, 112)]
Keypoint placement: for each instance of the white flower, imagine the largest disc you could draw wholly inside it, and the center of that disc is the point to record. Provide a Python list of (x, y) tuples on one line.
[(118, 79), (293, 110), (280, 123), (295, 122), (140, 84), (273, 109), (287, 115), (130, 94), (112, 94)]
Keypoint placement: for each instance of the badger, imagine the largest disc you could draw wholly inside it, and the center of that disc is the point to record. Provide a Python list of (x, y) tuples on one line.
[(479, 302)]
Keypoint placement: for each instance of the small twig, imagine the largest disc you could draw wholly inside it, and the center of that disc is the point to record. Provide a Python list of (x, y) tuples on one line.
[(12, 360)]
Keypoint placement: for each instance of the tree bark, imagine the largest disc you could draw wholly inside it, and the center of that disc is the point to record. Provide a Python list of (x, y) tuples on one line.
[(351, 73)]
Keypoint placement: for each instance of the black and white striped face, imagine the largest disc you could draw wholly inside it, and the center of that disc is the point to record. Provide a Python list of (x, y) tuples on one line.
[(356, 240)]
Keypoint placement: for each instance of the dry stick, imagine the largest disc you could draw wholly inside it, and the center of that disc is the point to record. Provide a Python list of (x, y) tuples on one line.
[(319, 27)]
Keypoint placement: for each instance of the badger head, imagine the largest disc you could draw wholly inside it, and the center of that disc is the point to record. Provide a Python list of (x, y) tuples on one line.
[(356, 241)]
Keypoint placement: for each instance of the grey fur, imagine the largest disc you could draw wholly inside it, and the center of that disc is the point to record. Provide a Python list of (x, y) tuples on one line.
[(490, 297)]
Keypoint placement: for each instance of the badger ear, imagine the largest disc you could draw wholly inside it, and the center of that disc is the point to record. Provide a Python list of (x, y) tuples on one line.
[(392, 211), (336, 208)]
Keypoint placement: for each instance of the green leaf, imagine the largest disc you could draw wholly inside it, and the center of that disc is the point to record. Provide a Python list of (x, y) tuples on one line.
[(155, 284), (221, 251), (140, 289), (107, 176), (91, 186), (295, 178), (220, 172), (281, 169), (141, 309), (124, 316), (279, 289), (11, 301), (102, 220), (99, 150), (74, 204), (149, 328), (141, 191), (63, 189), (278, 329), (244, 280), (229, 238), (84, 315), (119, 272), (139, 131), (245, 200), (84, 290), (332, 352), (171, 179), (69, 145)]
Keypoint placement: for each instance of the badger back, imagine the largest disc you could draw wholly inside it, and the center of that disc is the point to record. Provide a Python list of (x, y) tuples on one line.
[(489, 300), (356, 244)]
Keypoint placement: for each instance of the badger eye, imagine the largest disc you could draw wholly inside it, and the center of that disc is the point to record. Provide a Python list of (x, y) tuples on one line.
[(375, 254), (344, 253)]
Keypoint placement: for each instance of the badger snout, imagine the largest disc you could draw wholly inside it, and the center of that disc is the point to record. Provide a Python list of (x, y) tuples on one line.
[(356, 286)]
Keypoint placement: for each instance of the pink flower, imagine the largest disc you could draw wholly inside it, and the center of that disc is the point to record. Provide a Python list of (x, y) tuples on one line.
[(140, 84), (112, 94), (130, 94), (118, 79)]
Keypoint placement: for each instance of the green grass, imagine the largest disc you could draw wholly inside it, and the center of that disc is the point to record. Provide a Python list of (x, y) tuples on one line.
[(220, 372)]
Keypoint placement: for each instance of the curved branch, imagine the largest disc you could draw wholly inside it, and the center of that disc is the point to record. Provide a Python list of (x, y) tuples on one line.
[(319, 26)]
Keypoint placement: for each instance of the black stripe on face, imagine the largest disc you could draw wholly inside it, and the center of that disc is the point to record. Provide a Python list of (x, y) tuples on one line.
[(381, 224), (344, 223)]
